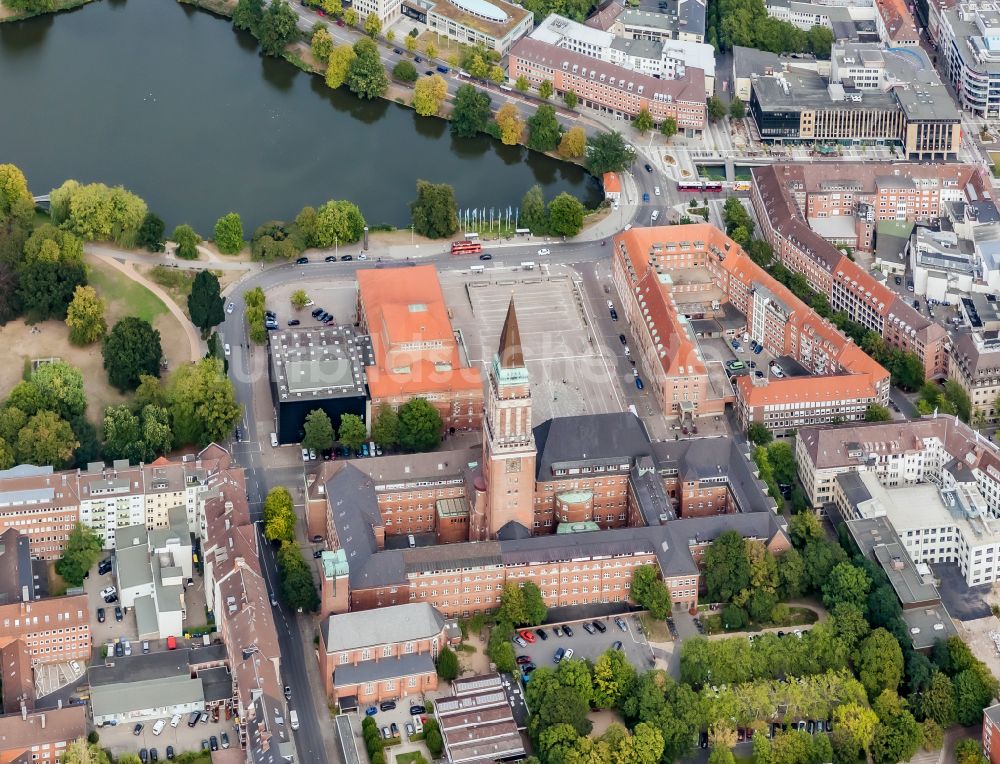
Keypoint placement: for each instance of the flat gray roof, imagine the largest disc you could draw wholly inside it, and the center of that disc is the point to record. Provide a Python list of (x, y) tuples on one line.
[(143, 694), (385, 668), (927, 625), (318, 363)]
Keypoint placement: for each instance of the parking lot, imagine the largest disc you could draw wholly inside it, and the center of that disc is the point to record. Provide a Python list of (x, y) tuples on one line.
[(590, 646), (121, 739), (569, 374), (111, 629)]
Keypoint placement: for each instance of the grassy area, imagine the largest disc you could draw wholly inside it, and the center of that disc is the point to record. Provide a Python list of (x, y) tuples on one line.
[(797, 616), (6, 14), (656, 630), (742, 172), (995, 160), (711, 171), (57, 587), (410, 758), (176, 282), (116, 286)]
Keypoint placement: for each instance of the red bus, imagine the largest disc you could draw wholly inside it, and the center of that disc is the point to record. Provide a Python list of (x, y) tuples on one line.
[(696, 187), (466, 247), (700, 187)]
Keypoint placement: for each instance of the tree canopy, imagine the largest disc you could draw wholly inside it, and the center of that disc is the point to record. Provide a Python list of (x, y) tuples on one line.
[(82, 549), (366, 76), (228, 233), (131, 349), (420, 426), (434, 211), (203, 405), (85, 316), (319, 434), (608, 152), (470, 113), (205, 301)]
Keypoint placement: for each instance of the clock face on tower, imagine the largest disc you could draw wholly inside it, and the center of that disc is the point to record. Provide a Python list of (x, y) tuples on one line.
[(513, 465)]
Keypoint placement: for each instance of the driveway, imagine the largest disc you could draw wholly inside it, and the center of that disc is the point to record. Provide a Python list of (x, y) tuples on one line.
[(590, 646)]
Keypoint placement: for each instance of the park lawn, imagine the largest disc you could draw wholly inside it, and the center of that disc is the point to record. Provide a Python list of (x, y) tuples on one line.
[(656, 630), (124, 297), (995, 160), (409, 758)]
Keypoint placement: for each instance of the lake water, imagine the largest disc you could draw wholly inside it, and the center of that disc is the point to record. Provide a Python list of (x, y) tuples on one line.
[(172, 103)]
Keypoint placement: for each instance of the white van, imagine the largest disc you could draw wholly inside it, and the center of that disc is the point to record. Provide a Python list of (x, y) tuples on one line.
[(411, 540), (528, 266), (274, 440), (158, 727), (478, 269), (175, 720), (293, 719), (418, 726)]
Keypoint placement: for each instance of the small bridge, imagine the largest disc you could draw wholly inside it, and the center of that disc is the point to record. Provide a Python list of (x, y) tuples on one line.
[(44, 201)]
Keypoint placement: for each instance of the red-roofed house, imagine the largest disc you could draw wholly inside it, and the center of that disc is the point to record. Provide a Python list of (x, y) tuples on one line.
[(612, 186)]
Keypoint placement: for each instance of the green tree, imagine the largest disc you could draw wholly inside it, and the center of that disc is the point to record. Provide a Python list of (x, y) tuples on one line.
[(80, 751), (83, 547), (727, 567), (613, 676), (321, 43), (248, 15), (434, 211), (669, 127), (131, 349), (521, 84), (279, 515), (499, 648), (187, 241), (150, 236), (543, 129), (721, 755), (716, 109), (975, 687), (373, 25), (803, 528), (737, 109), (879, 662), (138, 437), (565, 215), (85, 316), (877, 413), (897, 735), (228, 233), (318, 431), (820, 40), (968, 751), (385, 430), (545, 90), (203, 405), (299, 299), (937, 700), (782, 461), (16, 202), (96, 212), (351, 18), (434, 741), (205, 304), (277, 28), (643, 121), (429, 94), (533, 211), (297, 585), (420, 426), (571, 99), (49, 273), (650, 592), (470, 114), (609, 152), (338, 65), (447, 664), (846, 584), (758, 434), (535, 609), (366, 76), (338, 220), (510, 124), (352, 432), (404, 71)]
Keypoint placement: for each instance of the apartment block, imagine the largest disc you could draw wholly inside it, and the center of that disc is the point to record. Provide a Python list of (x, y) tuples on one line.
[(969, 42), (41, 504), (53, 629), (975, 365), (895, 24), (609, 88), (991, 733), (672, 20), (414, 350), (478, 721), (789, 199), (494, 24), (41, 737), (842, 381)]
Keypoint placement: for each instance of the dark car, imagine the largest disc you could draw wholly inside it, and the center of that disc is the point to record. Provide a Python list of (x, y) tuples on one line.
[(317, 539), (567, 631), (111, 598), (204, 745), (293, 322), (387, 705), (143, 756), (397, 51), (394, 729), (317, 312), (486, 256), (302, 261), (648, 168), (899, 281), (345, 258), (522, 659), (600, 627), (270, 314), (417, 710), (119, 650), (620, 623), (589, 628), (170, 752), (224, 737), (617, 645), (330, 259), (429, 72), (119, 615), (541, 634), (621, 339), (638, 383), (213, 743), (443, 69), (418, 59), (104, 567), (288, 692), (527, 668), (317, 554), (100, 615), (137, 729), (703, 740), (153, 755), (614, 314)]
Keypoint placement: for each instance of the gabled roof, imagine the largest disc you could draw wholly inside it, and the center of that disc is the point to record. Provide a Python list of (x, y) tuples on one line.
[(589, 439), (390, 625)]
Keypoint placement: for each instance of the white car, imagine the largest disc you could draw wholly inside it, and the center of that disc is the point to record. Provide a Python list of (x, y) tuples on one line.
[(230, 308), (305, 454), (656, 190), (544, 252), (777, 372), (158, 727), (227, 349), (107, 591), (309, 303), (655, 215), (635, 372), (611, 305), (362, 256), (312, 455), (175, 720), (568, 654), (128, 647)]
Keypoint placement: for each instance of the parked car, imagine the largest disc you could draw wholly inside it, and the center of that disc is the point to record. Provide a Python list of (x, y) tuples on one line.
[(213, 743), (527, 668), (294, 322), (567, 630), (521, 659), (620, 623), (617, 645), (371, 711), (119, 615), (175, 720), (346, 258), (100, 615), (288, 692), (558, 630), (387, 705), (224, 737), (588, 627), (108, 591), (614, 314), (104, 567), (600, 626), (541, 634), (558, 655), (568, 654), (527, 636), (128, 647), (516, 639), (137, 729), (170, 752), (638, 383), (409, 730), (145, 649), (417, 710), (648, 168), (394, 729), (300, 261)]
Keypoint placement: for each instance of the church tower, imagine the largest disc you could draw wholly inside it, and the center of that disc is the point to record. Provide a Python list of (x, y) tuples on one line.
[(508, 443)]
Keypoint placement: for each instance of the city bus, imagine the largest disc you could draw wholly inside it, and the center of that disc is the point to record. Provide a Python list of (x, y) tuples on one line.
[(466, 247)]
